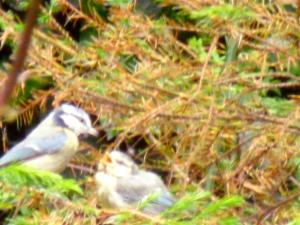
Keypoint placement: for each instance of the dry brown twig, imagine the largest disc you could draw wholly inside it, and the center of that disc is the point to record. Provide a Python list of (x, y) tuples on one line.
[(10, 82)]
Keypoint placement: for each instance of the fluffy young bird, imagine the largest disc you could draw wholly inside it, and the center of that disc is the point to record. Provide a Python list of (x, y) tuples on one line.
[(121, 184), (52, 144)]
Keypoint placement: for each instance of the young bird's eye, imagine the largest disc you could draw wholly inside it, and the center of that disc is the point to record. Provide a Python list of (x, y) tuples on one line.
[(120, 162)]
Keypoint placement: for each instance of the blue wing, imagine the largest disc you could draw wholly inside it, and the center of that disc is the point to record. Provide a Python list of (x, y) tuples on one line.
[(139, 186), (47, 142), (162, 202)]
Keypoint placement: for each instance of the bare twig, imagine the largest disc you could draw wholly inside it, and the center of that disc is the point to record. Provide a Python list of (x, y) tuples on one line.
[(270, 210), (11, 81)]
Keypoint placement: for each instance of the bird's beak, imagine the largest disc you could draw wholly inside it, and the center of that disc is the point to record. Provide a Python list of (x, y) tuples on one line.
[(106, 159), (92, 131)]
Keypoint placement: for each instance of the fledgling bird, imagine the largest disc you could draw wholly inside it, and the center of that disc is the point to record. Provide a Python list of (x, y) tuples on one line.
[(52, 144), (121, 184)]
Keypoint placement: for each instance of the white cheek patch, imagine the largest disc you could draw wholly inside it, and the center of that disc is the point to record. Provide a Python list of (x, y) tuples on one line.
[(87, 120), (72, 123)]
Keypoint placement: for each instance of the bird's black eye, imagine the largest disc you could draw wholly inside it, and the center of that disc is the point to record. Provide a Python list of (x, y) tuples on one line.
[(120, 162), (81, 120)]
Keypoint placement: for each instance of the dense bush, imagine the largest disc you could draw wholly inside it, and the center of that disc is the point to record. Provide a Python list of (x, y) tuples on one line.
[(205, 92)]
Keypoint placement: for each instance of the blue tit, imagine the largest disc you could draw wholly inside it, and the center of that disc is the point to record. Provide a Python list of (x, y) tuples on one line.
[(52, 144), (121, 184)]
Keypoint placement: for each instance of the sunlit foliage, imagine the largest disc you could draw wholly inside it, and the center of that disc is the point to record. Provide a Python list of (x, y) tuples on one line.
[(206, 92)]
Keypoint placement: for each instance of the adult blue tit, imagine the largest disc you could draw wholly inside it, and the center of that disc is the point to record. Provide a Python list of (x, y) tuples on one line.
[(51, 145), (121, 184)]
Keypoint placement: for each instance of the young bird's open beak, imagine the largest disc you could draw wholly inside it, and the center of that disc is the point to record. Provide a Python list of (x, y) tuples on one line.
[(104, 161), (106, 158)]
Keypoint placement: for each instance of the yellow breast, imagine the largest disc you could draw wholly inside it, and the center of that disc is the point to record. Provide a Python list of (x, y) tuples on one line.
[(58, 161)]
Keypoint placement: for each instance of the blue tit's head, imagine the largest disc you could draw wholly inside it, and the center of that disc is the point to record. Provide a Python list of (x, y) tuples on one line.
[(117, 164), (75, 119)]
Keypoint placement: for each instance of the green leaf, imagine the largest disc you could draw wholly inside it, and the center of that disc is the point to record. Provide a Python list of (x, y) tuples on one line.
[(54, 7), (6, 199), (19, 176), (188, 202), (19, 27), (23, 5), (230, 221), (295, 221), (223, 11), (145, 202), (20, 220), (118, 2), (278, 106), (129, 62), (197, 45), (102, 53), (221, 204), (44, 19)]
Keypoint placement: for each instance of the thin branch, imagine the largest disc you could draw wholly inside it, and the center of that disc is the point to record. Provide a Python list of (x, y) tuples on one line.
[(21, 53), (280, 204)]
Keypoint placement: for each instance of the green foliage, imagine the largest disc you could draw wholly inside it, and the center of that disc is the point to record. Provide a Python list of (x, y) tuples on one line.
[(18, 176), (224, 12), (180, 85), (221, 204), (7, 199), (232, 48), (53, 6), (294, 222), (119, 2), (102, 53), (19, 27), (278, 106), (32, 84), (187, 202), (230, 221), (111, 132), (21, 221), (18, 5), (198, 46), (295, 164), (147, 201), (192, 209), (129, 62), (22, 186), (44, 19)]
